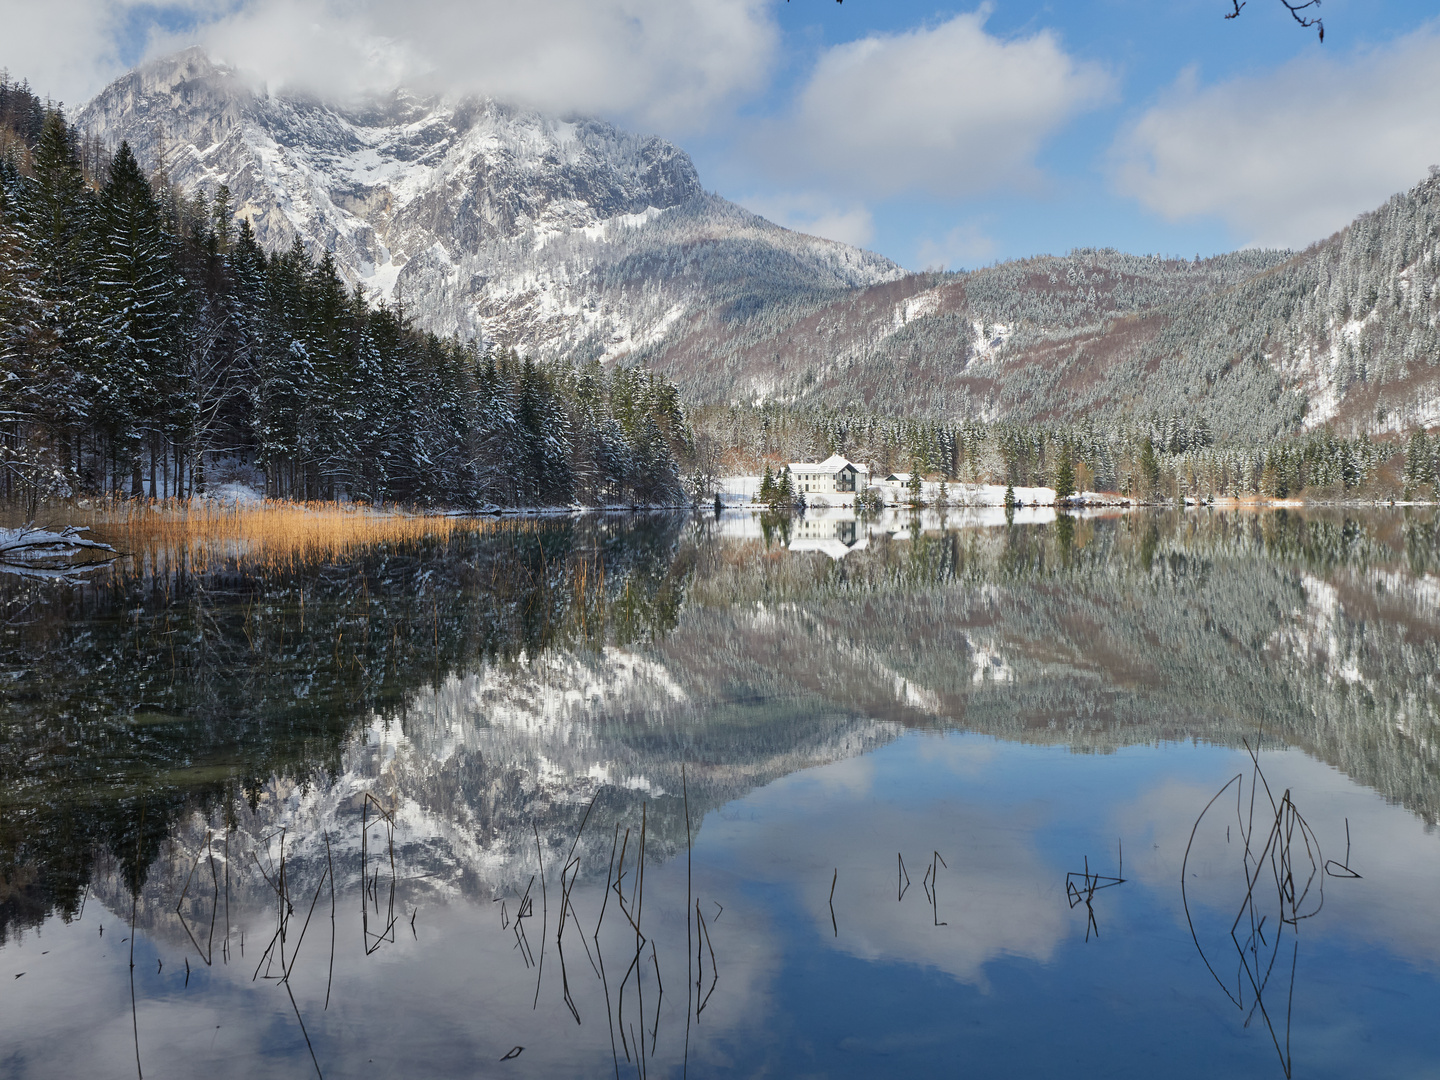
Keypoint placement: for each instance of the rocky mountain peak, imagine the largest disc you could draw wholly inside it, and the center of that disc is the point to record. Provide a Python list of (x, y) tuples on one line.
[(489, 219)]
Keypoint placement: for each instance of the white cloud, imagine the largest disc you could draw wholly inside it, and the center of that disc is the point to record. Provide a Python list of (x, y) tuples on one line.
[(818, 215), (966, 245), (948, 109), (65, 48), (671, 65), (1288, 157)]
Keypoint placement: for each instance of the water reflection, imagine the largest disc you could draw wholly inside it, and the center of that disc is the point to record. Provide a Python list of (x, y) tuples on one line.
[(1282, 879), (474, 749)]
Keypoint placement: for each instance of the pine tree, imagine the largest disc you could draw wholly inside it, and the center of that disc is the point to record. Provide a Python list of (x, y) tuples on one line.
[(1419, 468), (52, 213), (767, 486), (141, 300), (1149, 467), (144, 323), (1064, 474)]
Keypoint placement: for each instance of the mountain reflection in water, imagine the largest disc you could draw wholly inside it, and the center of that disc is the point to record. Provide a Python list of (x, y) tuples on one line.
[(410, 809)]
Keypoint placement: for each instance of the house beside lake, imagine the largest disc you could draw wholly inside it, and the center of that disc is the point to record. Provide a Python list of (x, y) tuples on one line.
[(833, 476)]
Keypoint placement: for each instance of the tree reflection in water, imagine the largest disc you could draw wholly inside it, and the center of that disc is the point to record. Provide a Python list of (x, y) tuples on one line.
[(463, 716)]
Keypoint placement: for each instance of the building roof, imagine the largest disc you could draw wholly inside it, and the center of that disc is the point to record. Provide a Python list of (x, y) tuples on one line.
[(835, 549), (833, 464)]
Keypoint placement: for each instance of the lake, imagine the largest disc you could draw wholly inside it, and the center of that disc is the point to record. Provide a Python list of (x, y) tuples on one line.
[(1131, 794)]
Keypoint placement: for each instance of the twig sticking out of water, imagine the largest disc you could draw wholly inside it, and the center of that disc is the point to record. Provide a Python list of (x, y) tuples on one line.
[(1342, 869), (134, 906), (935, 886), (655, 1030), (308, 1044), (225, 949), (700, 974), (545, 917), (373, 941), (1080, 888), (290, 967), (931, 884), (689, 967), (608, 873), (572, 865), (599, 955), (1291, 851), (902, 878), (833, 924), (207, 954), (330, 873), (525, 910), (637, 896)]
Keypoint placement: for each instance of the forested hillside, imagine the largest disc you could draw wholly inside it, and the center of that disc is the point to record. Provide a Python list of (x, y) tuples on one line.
[(572, 241), (1255, 344), (149, 345)]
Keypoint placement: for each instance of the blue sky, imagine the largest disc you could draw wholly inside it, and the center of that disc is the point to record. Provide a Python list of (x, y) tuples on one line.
[(937, 134), (1148, 49)]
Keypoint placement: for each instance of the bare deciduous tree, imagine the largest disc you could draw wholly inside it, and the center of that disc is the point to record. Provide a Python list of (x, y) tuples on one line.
[(1301, 13)]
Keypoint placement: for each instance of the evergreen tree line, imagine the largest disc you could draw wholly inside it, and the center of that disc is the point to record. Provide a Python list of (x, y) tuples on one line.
[(149, 346), (1155, 457)]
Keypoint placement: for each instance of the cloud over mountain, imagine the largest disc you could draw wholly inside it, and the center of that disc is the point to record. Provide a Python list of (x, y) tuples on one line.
[(671, 65), (1291, 155), (947, 109)]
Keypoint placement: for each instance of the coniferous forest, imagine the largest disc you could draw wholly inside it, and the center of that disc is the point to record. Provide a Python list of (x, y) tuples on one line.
[(150, 347)]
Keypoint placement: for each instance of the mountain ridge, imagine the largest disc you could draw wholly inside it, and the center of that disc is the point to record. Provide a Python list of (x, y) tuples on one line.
[(570, 238), (483, 218)]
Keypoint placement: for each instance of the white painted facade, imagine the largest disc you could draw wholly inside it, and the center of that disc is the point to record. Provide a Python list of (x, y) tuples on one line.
[(833, 476)]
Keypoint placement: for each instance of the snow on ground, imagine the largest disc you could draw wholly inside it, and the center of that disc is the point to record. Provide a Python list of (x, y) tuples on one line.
[(43, 553), (31, 543), (738, 490), (235, 492)]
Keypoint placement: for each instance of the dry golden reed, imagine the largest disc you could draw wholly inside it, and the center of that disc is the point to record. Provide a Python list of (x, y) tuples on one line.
[(274, 533)]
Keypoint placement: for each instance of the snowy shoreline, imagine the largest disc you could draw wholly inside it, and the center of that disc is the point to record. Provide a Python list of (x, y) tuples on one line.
[(740, 492)]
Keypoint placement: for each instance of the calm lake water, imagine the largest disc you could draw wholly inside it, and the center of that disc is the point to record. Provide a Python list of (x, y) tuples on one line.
[(1140, 795)]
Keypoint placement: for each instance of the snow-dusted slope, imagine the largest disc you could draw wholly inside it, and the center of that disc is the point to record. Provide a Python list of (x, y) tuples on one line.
[(548, 234)]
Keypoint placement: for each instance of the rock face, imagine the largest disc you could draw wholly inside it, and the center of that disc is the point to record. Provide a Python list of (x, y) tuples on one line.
[(547, 234)]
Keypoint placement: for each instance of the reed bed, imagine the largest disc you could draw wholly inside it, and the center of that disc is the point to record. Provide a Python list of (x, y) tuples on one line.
[(272, 532)]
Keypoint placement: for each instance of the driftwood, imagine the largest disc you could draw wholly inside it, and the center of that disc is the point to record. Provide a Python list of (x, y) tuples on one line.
[(36, 552)]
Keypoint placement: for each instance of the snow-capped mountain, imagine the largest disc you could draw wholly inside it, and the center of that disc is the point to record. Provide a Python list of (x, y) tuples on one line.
[(547, 234), (568, 237)]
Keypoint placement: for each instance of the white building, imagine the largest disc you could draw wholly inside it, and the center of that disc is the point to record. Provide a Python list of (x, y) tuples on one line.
[(833, 476), (835, 537)]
